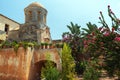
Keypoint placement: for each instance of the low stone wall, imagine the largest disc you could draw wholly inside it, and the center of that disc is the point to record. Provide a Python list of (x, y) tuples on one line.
[(16, 66)]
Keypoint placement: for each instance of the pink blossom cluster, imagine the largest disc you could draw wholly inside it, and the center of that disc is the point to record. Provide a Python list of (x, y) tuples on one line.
[(107, 34), (90, 39), (117, 39)]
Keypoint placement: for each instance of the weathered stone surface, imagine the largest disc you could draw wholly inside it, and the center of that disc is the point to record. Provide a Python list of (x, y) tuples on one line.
[(12, 65), (13, 35), (2, 35), (13, 25), (34, 28), (28, 33), (25, 64), (40, 57)]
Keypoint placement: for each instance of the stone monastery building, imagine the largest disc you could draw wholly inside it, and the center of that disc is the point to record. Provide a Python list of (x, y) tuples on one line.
[(27, 64), (34, 28)]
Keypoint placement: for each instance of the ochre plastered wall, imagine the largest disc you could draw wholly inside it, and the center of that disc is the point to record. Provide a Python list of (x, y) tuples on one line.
[(16, 66), (12, 25)]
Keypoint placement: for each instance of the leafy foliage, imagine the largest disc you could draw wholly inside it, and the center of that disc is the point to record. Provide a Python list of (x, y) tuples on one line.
[(91, 28), (106, 42), (68, 64), (73, 38), (96, 42), (91, 73), (50, 72), (74, 28)]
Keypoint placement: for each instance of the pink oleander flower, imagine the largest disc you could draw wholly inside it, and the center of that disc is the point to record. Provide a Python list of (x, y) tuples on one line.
[(88, 36), (101, 43), (117, 39), (93, 41), (85, 42), (107, 34), (85, 46)]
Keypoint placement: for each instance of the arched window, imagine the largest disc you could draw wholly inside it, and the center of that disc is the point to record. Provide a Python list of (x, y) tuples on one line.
[(6, 28), (44, 18), (38, 12), (38, 16), (30, 15)]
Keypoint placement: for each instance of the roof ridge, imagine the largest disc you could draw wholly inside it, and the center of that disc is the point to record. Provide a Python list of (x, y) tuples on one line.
[(9, 18)]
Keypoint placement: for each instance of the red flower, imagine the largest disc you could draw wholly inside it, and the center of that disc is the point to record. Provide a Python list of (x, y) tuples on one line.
[(85, 46), (85, 42), (107, 34), (117, 39), (100, 28), (93, 33), (88, 36), (101, 43)]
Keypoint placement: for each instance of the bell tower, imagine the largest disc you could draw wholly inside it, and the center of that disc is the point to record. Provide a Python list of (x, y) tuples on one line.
[(35, 13), (35, 27)]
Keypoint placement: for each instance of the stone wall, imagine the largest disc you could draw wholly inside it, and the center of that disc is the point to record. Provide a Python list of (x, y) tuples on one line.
[(47, 54), (12, 24), (13, 35), (2, 35), (20, 65), (14, 66)]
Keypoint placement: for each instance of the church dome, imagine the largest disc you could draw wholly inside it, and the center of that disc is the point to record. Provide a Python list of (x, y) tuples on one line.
[(35, 4)]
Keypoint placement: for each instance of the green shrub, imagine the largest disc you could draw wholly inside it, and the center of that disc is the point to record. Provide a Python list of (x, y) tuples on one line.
[(91, 73), (50, 72)]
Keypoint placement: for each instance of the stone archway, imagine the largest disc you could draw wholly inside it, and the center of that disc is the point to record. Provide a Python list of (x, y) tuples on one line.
[(35, 69)]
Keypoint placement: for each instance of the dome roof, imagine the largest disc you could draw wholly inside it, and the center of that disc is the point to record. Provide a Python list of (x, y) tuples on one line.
[(35, 4)]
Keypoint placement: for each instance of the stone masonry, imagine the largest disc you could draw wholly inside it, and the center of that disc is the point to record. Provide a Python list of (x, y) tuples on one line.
[(34, 28), (26, 64)]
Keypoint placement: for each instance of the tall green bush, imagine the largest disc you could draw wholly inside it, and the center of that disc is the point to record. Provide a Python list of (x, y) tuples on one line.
[(68, 64), (74, 39)]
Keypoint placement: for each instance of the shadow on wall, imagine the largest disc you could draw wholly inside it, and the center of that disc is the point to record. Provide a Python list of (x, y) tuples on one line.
[(35, 69)]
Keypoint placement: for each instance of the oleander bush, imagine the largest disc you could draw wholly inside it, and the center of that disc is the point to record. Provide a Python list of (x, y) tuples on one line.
[(101, 44)]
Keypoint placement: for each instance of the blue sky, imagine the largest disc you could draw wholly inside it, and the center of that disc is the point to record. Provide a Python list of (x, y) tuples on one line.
[(62, 12)]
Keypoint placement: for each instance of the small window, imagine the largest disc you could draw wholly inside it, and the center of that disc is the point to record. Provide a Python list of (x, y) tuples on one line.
[(30, 12), (38, 15), (30, 15), (45, 18), (38, 12), (6, 28)]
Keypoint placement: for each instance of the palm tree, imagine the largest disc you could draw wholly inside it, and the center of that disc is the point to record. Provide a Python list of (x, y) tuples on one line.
[(91, 28), (74, 29)]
